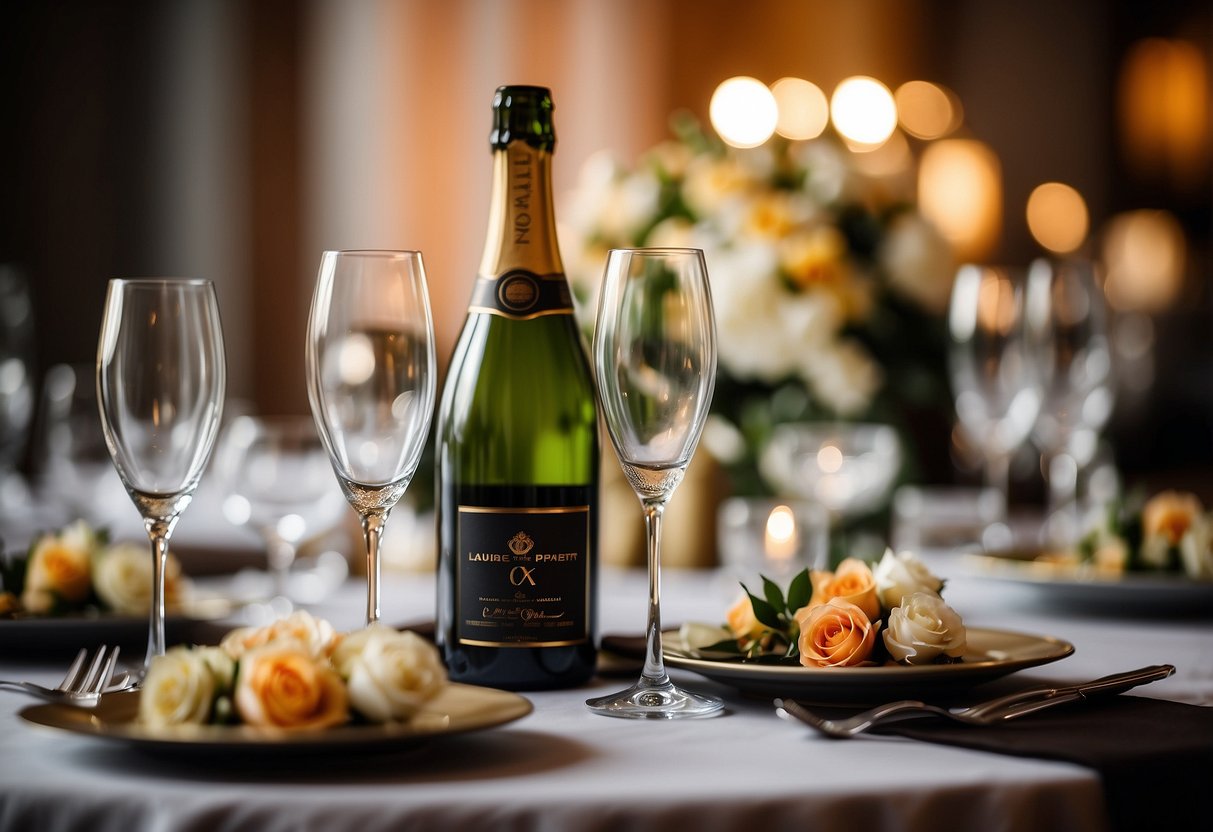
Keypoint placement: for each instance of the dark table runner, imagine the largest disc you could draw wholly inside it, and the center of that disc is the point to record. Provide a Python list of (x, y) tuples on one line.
[(1155, 757)]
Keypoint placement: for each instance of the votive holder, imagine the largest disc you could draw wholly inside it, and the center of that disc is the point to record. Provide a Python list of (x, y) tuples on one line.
[(775, 537)]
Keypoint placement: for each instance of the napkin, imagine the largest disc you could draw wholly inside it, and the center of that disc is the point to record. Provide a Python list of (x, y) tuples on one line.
[(1155, 757)]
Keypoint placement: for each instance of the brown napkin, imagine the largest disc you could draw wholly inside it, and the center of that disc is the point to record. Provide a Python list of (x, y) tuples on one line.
[(1155, 757)]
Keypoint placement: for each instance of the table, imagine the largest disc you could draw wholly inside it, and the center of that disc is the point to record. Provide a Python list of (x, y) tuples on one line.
[(565, 768)]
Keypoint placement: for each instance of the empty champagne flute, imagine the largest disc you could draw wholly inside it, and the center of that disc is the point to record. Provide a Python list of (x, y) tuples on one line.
[(275, 473), (993, 361), (161, 381), (655, 364), (371, 382)]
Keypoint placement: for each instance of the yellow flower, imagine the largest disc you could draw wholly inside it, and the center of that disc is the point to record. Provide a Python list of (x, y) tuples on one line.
[(59, 567), (281, 686)]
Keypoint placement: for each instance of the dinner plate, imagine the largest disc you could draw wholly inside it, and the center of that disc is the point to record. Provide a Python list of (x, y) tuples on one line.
[(988, 655), (40, 634), (457, 709), (1070, 585)]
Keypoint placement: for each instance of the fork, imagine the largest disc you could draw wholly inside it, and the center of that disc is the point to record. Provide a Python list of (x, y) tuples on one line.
[(994, 711), (86, 681)]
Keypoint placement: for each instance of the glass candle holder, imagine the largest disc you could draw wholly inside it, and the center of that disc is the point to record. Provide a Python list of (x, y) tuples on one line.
[(774, 537)]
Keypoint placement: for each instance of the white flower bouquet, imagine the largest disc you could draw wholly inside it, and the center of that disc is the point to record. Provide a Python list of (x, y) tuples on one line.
[(829, 287)]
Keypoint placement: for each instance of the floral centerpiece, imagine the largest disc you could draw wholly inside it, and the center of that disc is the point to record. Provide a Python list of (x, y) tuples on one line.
[(77, 570), (1170, 532), (853, 616), (295, 674), (829, 286)]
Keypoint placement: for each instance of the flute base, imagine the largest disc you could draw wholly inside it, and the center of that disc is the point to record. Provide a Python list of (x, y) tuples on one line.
[(650, 699)]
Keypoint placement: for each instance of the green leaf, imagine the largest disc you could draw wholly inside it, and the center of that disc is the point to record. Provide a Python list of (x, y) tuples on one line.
[(800, 590), (763, 611), (774, 594)]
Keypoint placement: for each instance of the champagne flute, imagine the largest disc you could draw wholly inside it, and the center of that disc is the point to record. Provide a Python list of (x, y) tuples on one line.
[(655, 364), (275, 475), (161, 381), (994, 365), (371, 381)]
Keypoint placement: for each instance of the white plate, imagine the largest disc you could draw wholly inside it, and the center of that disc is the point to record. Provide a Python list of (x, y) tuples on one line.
[(988, 655), (458, 709), (1073, 585)]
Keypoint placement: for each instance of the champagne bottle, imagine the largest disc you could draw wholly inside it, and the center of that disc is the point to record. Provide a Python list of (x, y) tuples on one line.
[(517, 456)]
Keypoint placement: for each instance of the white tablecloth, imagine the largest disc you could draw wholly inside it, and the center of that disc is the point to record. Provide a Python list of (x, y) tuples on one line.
[(563, 768)]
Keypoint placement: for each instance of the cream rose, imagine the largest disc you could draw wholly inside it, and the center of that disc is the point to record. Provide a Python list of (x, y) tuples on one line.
[(1196, 549), (122, 577), (280, 685), (316, 636), (899, 575), (852, 582), (58, 568), (389, 674), (836, 634), (923, 628), (179, 689)]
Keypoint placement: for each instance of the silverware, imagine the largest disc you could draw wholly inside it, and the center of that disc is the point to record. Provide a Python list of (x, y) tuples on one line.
[(87, 680), (997, 710)]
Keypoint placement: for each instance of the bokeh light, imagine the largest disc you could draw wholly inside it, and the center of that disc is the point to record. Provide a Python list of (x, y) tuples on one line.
[(863, 111), (926, 110), (1057, 217), (960, 191), (804, 111), (1144, 254), (743, 111)]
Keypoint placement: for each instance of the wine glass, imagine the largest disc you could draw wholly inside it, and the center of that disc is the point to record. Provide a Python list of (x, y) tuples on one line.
[(655, 364), (161, 381), (16, 391), (996, 380), (371, 381), (275, 472), (1067, 306)]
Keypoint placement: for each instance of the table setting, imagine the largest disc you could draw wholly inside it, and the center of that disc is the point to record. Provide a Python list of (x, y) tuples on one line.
[(844, 660)]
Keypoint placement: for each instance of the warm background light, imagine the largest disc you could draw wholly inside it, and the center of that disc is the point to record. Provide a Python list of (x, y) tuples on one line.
[(1144, 254), (1057, 217), (863, 111), (743, 111), (1164, 112), (889, 159), (960, 190), (804, 111), (926, 110)]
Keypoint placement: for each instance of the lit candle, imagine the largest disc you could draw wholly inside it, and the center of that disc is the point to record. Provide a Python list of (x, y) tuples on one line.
[(781, 539)]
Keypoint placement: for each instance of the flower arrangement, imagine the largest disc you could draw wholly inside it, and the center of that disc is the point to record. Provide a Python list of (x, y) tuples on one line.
[(853, 616), (829, 286), (1170, 532), (295, 674), (76, 569)]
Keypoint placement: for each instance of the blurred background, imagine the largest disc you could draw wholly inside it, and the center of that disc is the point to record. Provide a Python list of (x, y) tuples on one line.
[(237, 140)]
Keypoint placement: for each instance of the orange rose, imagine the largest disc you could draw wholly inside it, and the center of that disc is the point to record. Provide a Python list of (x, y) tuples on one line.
[(1169, 514), (742, 622), (281, 686), (852, 582), (60, 566), (836, 634)]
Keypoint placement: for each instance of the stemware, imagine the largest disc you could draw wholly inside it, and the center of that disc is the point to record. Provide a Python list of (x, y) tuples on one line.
[(371, 382), (275, 472), (16, 390), (161, 381), (655, 365), (993, 362), (1066, 304)]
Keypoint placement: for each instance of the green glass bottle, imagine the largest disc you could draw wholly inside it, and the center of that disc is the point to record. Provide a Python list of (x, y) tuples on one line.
[(517, 457)]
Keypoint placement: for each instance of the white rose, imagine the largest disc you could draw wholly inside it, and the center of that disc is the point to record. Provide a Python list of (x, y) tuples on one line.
[(389, 674), (122, 577), (922, 628), (918, 262), (695, 635), (1196, 548), (899, 575), (842, 376), (179, 689)]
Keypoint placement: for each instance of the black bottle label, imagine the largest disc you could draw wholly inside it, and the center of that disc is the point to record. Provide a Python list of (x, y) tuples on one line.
[(523, 576), (520, 294)]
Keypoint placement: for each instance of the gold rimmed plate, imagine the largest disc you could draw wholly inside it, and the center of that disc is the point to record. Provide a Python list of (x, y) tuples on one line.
[(1067, 584), (988, 655), (458, 709)]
